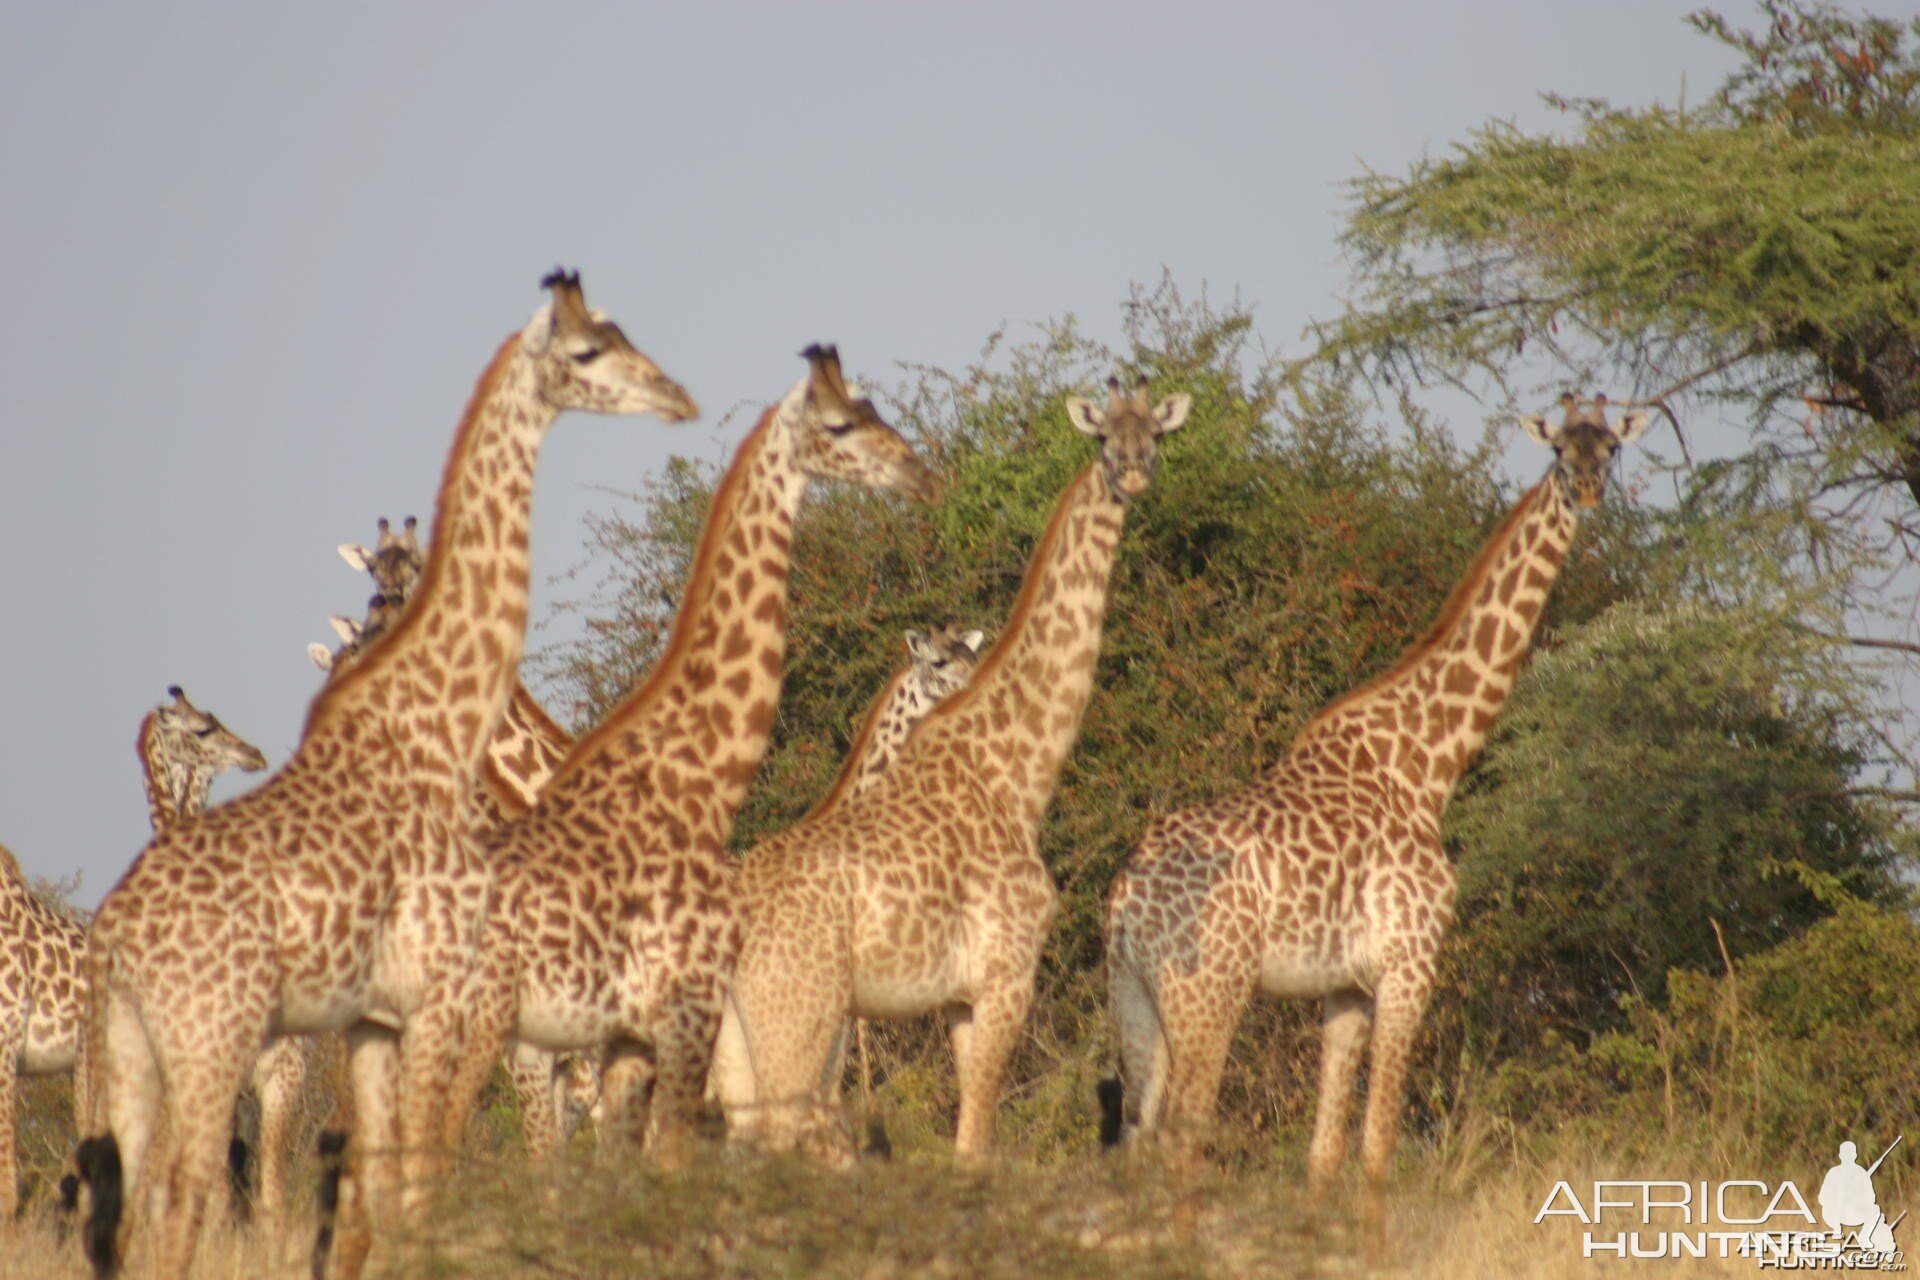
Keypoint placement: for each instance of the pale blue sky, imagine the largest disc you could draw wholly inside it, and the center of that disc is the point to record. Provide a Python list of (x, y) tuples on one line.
[(259, 253)]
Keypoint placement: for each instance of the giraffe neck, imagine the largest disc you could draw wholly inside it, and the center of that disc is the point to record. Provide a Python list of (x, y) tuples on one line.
[(1016, 721), (890, 717), (527, 748), (1443, 695), (176, 788), (441, 677), (699, 726)]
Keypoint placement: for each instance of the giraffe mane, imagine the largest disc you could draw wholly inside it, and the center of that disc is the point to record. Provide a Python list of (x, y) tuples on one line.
[(1457, 603), (856, 754), (679, 640), (983, 674), (334, 691), (10, 866)]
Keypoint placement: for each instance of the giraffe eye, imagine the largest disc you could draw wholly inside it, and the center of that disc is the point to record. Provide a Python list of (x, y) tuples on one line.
[(586, 357)]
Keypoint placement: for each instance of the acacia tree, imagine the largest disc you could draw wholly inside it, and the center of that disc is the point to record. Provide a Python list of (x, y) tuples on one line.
[(1753, 251)]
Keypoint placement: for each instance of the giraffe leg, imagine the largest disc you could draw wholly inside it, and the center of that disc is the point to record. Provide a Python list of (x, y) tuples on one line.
[(201, 1086), (489, 1018), (792, 1017), (1347, 1017), (1143, 1047), (128, 1105), (576, 1093), (534, 1073), (279, 1076), (1199, 1013), (429, 1049), (730, 1080), (369, 1181), (683, 1054), (981, 1053), (1398, 1005), (13, 1042), (626, 1085)]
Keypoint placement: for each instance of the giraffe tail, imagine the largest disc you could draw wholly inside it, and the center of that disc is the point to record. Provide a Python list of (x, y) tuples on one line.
[(1112, 1094), (333, 1145), (98, 1160), (239, 1179)]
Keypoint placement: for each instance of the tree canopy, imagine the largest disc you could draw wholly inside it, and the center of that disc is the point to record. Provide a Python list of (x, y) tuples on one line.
[(1753, 252)]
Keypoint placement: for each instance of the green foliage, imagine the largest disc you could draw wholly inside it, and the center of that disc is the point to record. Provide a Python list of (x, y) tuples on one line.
[(1792, 1050), (1664, 772), (1748, 251), (1681, 749)]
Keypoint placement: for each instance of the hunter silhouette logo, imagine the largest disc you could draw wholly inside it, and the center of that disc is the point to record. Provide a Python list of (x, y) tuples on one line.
[(1771, 1223), (1847, 1200)]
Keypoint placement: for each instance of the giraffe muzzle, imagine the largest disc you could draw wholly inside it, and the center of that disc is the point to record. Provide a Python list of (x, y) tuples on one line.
[(675, 405)]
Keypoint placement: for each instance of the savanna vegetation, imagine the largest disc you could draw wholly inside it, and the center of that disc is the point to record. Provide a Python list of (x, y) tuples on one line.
[(1685, 943)]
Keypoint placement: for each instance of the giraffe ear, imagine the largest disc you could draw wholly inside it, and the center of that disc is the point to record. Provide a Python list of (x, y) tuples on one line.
[(973, 640), (1538, 429), (1085, 418), (916, 643), (320, 655), (356, 555), (1633, 426), (1171, 413), (538, 335), (346, 628)]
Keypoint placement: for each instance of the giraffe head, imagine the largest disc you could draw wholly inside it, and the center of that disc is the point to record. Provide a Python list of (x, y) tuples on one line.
[(394, 561), (196, 739), (583, 360), (382, 612), (1584, 443), (943, 662), (1129, 429), (842, 436)]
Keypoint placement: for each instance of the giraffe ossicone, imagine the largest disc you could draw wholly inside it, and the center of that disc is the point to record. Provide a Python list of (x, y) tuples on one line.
[(1326, 878)]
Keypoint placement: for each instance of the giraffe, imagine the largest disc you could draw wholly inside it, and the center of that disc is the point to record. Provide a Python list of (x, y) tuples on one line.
[(927, 892), (1326, 878), (182, 749), (526, 749), (41, 993), (938, 665), (612, 927), (346, 890)]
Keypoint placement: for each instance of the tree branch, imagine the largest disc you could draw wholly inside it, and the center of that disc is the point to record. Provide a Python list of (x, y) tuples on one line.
[(1851, 793), (1864, 642)]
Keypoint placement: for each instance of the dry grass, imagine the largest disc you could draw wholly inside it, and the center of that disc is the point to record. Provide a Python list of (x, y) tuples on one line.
[(736, 1214), (1462, 1209)]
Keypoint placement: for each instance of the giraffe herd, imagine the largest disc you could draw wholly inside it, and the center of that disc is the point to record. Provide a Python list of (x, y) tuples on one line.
[(441, 874)]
